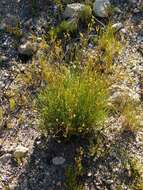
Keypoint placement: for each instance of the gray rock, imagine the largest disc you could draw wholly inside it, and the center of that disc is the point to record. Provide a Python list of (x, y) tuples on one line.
[(117, 26), (6, 158), (27, 48), (101, 7), (20, 152), (3, 59), (117, 10), (58, 160), (73, 10)]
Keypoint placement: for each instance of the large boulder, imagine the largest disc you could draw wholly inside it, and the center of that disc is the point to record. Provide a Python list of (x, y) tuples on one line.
[(73, 10), (101, 8)]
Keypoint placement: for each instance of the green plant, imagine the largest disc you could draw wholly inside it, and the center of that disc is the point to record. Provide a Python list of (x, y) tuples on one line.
[(34, 7), (68, 26), (15, 31), (136, 169), (12, 104), (86, 14), (65, 27), (131, 116), (129, 112), (71, 180), (73, 103), (108, 45), (1, 115), (78, 162)]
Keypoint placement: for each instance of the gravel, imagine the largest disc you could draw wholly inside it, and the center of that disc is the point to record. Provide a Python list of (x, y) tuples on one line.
[(44, 165)]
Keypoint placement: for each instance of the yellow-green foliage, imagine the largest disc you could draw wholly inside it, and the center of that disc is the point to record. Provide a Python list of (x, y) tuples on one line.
[(15, 31), (78, 162), (71, 27), (85, 14), (68, 26), (136, 168), (73, 103), (1, 115), (130, 113), (65, 27), (12, 104), (71, 180), (109, 45), (51, 54)]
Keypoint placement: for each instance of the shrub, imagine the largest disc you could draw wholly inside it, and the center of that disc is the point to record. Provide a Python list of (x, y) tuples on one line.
[(12, 104), (86, 14), (108, 44), (68, 26), (129, 111), (71, 181), (15, 31), (131, 115), (72, 103), (136, 170), (65, 27)]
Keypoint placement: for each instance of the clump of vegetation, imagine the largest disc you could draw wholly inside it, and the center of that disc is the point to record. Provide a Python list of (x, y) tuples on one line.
[(1, 116), (86, 14), (136, 169), (15, 31), (73, 103), (12, 104), (108, 45), (71, 27), (131, 116), (71, 180), (67, 26)]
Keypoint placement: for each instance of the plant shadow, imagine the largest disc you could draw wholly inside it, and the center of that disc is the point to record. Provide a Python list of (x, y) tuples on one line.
[(40, 172), (105, 171)]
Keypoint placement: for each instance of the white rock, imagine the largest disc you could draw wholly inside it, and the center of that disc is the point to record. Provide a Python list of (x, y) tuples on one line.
[(73, 9), (20, 152), (101, 7), (58, 160), (27, 48), (117, 10), (89, 174), (123, 30), (117, 26)]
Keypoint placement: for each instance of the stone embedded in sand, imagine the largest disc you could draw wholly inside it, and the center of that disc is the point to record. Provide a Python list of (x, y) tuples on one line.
[(58, 160), (73, 9), (20, 152), (117, 26), (6, 158), (27, 49), (101, 8)]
